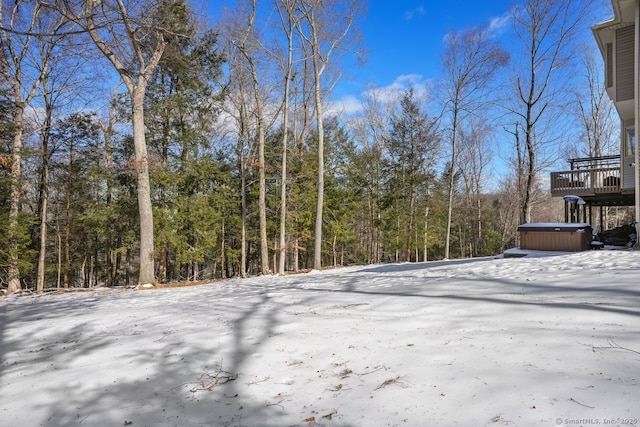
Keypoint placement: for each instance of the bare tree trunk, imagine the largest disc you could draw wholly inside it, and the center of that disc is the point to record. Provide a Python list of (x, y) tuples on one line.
[(452, 172), (140, 65), (59, 260), (91, 264), (262, 203), (43, 226), (83, 274), (15, 45), (426, 229), (276, 251), (546, 29), (288, 22), (520, 173), (223, 259), (13, 270), (320, 60), (413, 223), (334, 250), (177, 271), (244, 48), (317, 254), (67, 240), (107, 131), (531, 151), (44, 188), (479, 219), (243, 225), (145, 209)]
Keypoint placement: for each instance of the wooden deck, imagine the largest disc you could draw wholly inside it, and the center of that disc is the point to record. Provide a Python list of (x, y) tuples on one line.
[(595, 179), (586, 182)]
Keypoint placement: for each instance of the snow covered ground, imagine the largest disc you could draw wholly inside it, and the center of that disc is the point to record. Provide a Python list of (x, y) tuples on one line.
[(542, 341)]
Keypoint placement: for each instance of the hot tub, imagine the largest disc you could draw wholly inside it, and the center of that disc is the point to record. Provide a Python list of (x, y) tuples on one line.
[(563, 237)]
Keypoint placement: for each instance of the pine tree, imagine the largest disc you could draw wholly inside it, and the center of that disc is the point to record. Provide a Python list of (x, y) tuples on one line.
[(181, 111), (410, 147)]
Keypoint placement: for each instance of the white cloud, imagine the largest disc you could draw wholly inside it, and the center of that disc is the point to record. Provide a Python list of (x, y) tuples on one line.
[(346, 105), (499, 24), (495, 27), (350, 105), (410, 14), (403, 82)]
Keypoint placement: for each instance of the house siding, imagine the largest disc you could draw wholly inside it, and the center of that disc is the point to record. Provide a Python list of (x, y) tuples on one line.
[(624, 63)]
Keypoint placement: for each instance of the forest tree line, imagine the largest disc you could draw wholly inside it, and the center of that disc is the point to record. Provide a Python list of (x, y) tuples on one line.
[(139, 143)]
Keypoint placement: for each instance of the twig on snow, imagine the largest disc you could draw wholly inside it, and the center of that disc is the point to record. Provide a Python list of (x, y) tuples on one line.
[(390, 381), (207, 381), (612, 346), (376, 369), (581, 404), (615, 345)]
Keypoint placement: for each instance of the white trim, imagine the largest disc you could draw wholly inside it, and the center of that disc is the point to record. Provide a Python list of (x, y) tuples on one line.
[(636, 108)]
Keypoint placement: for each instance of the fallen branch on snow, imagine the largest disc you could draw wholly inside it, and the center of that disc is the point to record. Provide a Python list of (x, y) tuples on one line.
[(581, 404), (207, 381), (612, 346), (390, 381)]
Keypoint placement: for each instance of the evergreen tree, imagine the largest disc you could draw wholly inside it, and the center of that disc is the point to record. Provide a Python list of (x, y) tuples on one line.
[(411, 147), (342, 202), (181, 108), (76, 137)]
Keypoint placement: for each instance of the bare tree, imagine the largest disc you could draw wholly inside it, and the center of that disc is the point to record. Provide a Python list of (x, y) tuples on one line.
[(545, 30), (470, 59), (253, 70), (20, 23), (107, 127), (328, 23), (63, 82), (238, 107), (301, 121), (133, 40), (372, 131), (246, 45), (473, 160), (505, 207), (595, 112), (289, 20)]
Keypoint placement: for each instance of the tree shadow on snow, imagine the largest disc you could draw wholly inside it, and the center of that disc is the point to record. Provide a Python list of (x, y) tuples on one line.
[(178, 382), (19, 352), (198, 381), (413, 266), (418, 287)]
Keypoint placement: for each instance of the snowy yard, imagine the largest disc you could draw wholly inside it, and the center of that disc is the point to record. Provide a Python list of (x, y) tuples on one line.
[(541, 341)]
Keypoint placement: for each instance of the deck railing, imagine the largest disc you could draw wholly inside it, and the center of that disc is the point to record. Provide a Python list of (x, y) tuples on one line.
[(585, 182), (588, 176)]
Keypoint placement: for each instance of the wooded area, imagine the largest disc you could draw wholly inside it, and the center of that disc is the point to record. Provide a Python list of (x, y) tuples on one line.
[(141, 144)]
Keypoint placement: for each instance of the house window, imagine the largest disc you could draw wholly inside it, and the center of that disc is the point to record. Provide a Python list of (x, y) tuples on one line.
[(631, 141), (609, 64)]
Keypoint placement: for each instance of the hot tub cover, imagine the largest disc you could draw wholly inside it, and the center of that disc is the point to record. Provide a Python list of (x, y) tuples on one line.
[(556, 226)]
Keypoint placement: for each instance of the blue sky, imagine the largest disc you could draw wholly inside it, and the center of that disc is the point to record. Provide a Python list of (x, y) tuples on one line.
[(405, 37), (404, 40)]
